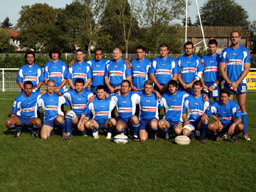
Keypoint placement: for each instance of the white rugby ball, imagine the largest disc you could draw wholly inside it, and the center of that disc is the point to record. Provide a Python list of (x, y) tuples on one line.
[(182, 140), (121, 138)]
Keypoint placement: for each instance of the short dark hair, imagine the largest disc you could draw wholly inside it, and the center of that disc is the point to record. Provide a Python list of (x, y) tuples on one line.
[(213, 41), (149, 82), (100, 87), (188, 43), (173, 82), (126, 81), (30, 53), (54, 50), (98, 49), (164, 45), (79, 80), (80, 50), (141, 47), (235, 31), (227, 91), (28, 83), (198, 83)]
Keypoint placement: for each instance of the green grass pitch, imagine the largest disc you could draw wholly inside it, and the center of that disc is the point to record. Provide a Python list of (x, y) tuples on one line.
[(85, 164)]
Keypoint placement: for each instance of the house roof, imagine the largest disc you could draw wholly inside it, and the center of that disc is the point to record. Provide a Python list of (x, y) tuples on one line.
[(215, 31), (13, 33)]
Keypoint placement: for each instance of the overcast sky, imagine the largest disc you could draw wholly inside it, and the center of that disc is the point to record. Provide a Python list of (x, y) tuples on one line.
[(11, 8)]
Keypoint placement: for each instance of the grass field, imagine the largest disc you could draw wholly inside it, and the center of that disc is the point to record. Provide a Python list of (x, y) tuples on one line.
[(85, 164)]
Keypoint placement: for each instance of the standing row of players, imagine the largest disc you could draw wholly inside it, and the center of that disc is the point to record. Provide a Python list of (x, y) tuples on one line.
[(233, 64)]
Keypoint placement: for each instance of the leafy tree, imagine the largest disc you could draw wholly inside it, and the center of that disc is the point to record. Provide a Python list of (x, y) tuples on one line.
[(37, 27), (6, 23), (4, 39), (157, 17), (223, 13)]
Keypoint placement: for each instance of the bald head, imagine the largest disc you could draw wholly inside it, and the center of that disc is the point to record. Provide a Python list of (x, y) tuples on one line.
[(117, 54)]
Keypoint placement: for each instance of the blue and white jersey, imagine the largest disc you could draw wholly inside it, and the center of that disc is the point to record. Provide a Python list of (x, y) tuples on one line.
[(100, 109), (235, 60), (26, 106), (31, 73), (173, 105), (78, 101), (51, 105), (79, 70), (211, 67), (117, 72), (163, 69), (196, 107), (55, 71), (139, 72), (149, 106), (125, 104), (189, 67), (98, 71), (227, 113)]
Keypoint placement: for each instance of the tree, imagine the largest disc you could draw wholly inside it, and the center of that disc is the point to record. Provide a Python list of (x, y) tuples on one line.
[(4, 39), (223, 13), (252, 28), (37, 27), (6, 23), (157, 17)]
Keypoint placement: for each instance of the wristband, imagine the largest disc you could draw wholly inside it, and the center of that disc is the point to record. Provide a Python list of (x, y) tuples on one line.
[(214, 85), (206, 90)]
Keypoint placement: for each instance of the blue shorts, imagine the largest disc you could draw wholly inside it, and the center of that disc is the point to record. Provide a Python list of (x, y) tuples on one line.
[(226, 126), (172, 123), (195, 123), (126, 121), (24, 120), (50, 122), (101, 124), (241, 89), (215, 93), (145, 124)]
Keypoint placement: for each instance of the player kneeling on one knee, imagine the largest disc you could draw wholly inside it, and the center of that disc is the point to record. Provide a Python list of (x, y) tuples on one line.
[(24, 112), (100, 108), (228, 118), (51, 102)]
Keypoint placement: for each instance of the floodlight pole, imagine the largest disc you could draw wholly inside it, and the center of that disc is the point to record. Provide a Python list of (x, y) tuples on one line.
[(202, 29)]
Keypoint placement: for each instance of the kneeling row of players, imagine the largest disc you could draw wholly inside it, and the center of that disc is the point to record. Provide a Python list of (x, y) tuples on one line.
[(184, 113)]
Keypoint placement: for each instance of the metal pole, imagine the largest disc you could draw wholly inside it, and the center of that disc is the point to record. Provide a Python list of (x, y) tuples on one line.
[(199, 16), (3, 88), (186, 23)]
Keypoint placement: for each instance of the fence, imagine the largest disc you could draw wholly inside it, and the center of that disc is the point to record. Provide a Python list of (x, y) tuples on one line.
[(9, 76)]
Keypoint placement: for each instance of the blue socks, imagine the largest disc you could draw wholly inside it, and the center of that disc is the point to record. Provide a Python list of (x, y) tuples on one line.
[(203, 129), (244, 121), (63, 127), (135, 129), (68, 125)]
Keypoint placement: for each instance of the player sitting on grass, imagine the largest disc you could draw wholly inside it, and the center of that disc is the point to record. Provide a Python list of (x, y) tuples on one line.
[(126, 107), (24, 112), (101, 110), (172, 101), (78, 99), (51, 103), (149, 106), (228, 118), (196, 106)]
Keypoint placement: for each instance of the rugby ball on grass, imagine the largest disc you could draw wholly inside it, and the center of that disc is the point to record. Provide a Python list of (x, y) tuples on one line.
[(182, 140), (120, 139)]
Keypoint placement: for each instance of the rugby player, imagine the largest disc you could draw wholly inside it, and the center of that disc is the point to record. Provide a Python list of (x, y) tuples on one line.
[(139, 69), (80, 69), (149, 106), (235, 64), (53, 116), (228, 118), (30, 72), (24, 112), (78, 99), (56, 69), (98, 66), (116, 71), (211, 79), (196, 106), (172, 101), (101, 111), (190, 68), (163, 69), (125, 104)]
